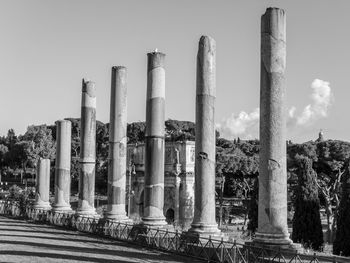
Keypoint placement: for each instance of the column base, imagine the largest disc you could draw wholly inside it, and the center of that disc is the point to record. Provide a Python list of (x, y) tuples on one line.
[(275, 242), (42, 206), (117, 218), (87, 213), (153, 222), (206, 231), (61, 209)]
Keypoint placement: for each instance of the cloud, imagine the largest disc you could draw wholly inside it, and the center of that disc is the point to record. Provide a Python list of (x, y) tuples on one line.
[(321, 100), (246, 125)]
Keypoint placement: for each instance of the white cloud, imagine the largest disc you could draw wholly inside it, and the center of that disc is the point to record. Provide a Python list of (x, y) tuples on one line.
[(246, 125), (321, 98)]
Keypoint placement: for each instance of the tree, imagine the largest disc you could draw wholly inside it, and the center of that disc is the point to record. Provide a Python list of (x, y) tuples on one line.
[(307, 228), (38, 143), (341, 245), (253, 208)]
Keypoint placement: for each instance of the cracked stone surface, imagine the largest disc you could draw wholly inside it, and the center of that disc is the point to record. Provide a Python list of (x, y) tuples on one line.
[(25, 242), (117, 145), (272, 222)]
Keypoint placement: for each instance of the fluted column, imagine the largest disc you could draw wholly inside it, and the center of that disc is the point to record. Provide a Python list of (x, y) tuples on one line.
[(272, 219), (117, 146), (87, 150), (43, 185), (154, 141), (204, 222), (62, 168)]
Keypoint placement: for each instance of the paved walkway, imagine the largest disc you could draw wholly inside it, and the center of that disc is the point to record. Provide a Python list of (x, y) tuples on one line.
[(21, 241)]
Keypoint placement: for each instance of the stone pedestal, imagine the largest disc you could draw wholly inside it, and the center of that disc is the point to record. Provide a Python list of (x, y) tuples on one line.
[(42, 197), (87, 151), (204, 223), (154, 142), (117, 147), (62, 169), (272, 218)]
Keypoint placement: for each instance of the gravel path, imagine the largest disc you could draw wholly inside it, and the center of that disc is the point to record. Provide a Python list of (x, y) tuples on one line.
[(21, 241)]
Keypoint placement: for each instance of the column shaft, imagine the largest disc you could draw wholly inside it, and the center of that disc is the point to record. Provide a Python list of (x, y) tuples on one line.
[(204, 211), (43, 185), (87, 150), (272, 218), (117, 146), (62, 168), (154, 141)]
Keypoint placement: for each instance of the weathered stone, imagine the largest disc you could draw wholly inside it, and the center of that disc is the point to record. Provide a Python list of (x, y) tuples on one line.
[(62, 169), (272, 219), (42, 197), (204, 222), (117, 146), (186, 200), (154, 141), (87, 151)]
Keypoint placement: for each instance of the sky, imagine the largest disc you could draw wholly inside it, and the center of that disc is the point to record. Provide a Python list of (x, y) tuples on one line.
[(47, 47)]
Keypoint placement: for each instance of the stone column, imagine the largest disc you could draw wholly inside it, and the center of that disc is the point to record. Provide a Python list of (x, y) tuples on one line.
[(43, 185), (154, 141), (272, 218), (87, 150), (117, 147), (204, 222), (186, 200), (62, 169)]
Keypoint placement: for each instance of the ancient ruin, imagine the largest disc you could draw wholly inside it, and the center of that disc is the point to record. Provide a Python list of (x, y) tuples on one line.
[(272, 219), (117, 147), (42, 196), (178, 182), (204, 222), (62, 168), (154, 141), (87, 150)]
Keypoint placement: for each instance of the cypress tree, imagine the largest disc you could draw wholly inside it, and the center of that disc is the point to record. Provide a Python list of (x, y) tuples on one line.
[(341, 245), (254, 207), (307, 228)]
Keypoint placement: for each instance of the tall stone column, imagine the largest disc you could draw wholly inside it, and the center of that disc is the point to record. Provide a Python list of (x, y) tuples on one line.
[(62, 169), (117, 146), (272, 218), (87, 150), (42, 197), (154, 141), (204, 222)]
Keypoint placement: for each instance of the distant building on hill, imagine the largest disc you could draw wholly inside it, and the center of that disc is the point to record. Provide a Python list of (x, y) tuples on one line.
[(320, 137)]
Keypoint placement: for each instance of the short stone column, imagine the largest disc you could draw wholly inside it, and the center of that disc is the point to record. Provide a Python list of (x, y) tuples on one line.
[(42, 197), (272, 217), (154, 141), (204, 222), (117, 146), (62, 168), (87, 151), (186, 200)]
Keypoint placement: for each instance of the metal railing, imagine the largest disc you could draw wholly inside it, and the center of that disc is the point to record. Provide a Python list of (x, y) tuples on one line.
[(207, 249)]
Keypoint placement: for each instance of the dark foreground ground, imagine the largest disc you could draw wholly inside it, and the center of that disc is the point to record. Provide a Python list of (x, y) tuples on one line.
[(21, 241)]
